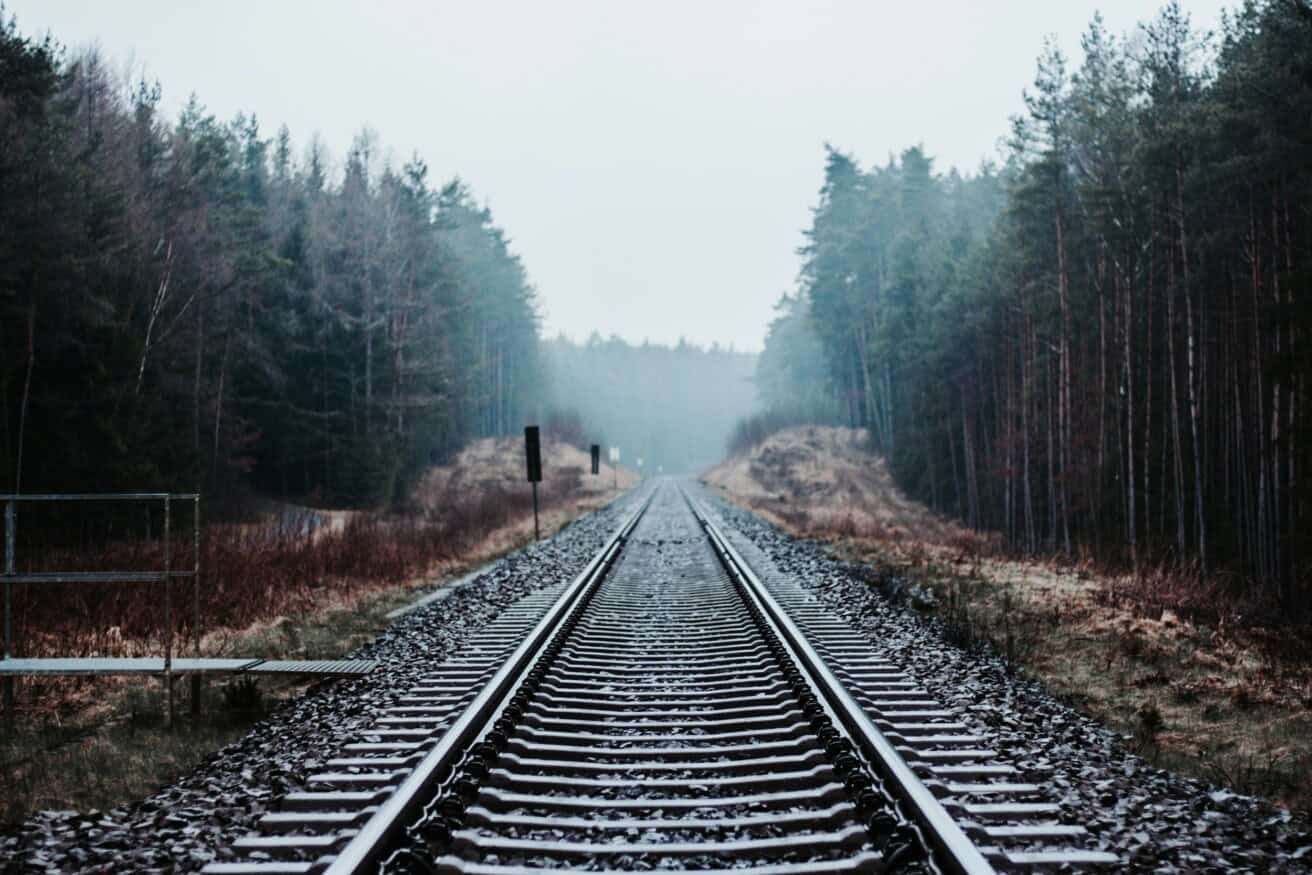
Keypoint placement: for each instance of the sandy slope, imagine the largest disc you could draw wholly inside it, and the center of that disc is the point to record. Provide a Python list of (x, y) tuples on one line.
[(820, 479)]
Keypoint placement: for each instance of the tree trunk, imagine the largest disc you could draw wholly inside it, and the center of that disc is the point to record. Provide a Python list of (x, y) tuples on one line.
[(1130, 436), (1190, 376), (27, 392), (1026, 363), (195, 385), (1177, 450), (218, 407), (1063, 384), (968, 450)]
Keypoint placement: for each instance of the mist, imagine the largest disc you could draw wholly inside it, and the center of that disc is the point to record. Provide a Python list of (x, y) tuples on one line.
[(672, 407)]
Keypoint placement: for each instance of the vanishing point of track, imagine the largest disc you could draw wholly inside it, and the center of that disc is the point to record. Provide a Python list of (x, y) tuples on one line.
[(667, 710)]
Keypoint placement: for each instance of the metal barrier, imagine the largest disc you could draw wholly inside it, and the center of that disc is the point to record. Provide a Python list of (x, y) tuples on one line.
[(166, 575)]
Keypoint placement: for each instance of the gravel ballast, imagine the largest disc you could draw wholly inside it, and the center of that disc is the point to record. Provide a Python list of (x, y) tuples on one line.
[(1155, 820), (179, 828)]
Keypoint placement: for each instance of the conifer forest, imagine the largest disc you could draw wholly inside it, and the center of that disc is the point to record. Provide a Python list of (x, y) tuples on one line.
[(194, 303), (1101, 344), (1096, 345)]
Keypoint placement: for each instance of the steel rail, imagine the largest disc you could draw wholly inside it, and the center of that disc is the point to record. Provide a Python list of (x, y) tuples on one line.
[(953, 850), (367, 848)]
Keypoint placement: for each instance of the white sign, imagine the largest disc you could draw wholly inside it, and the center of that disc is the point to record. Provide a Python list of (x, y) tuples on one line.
[(614, 455)]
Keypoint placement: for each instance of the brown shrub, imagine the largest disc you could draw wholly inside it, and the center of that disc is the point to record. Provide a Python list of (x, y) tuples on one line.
[(284, 565)]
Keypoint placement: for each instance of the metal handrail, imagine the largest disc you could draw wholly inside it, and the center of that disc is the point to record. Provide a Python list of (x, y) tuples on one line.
[(9, 576), (93, 576)]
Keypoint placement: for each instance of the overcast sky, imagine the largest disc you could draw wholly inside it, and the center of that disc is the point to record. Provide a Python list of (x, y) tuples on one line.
[(653, 163)]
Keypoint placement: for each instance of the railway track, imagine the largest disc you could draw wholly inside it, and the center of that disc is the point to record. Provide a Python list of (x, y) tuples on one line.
[(665, 710)]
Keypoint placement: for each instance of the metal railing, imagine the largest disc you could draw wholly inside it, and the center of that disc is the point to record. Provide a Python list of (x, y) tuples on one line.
[(10, 576)]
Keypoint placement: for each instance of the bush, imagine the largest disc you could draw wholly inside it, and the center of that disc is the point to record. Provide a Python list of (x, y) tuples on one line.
[(243, 697), (752, 431), (289, 563)]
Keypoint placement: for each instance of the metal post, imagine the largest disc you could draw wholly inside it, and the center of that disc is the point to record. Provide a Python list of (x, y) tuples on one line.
[(11, 531), (195, 601), (168, 617), (537, 535)]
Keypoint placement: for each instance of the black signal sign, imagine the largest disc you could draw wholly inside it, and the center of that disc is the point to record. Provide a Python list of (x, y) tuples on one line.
[(596, 458), (533, 452)]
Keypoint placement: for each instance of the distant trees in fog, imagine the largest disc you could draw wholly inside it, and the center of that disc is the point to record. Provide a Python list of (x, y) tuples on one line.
[(185, 301), (673, 406), (1105, 342)]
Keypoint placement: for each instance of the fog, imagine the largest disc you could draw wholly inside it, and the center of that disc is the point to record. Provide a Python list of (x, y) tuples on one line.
[(672, 407), (653, 164)]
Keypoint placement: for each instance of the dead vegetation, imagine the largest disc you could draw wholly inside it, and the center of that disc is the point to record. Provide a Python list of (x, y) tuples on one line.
[(295, 584), (86, 744), (1195, 678), (819, 480), (294, 561)]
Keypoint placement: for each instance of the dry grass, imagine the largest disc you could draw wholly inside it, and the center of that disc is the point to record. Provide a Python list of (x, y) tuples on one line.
[(1191, 683), (293, 563), (495, 467), (85, 766), (304, 585), (816, 481), (105, 743)]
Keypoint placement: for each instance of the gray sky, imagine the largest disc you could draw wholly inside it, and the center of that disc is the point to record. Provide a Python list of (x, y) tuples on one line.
[(654, 164)]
